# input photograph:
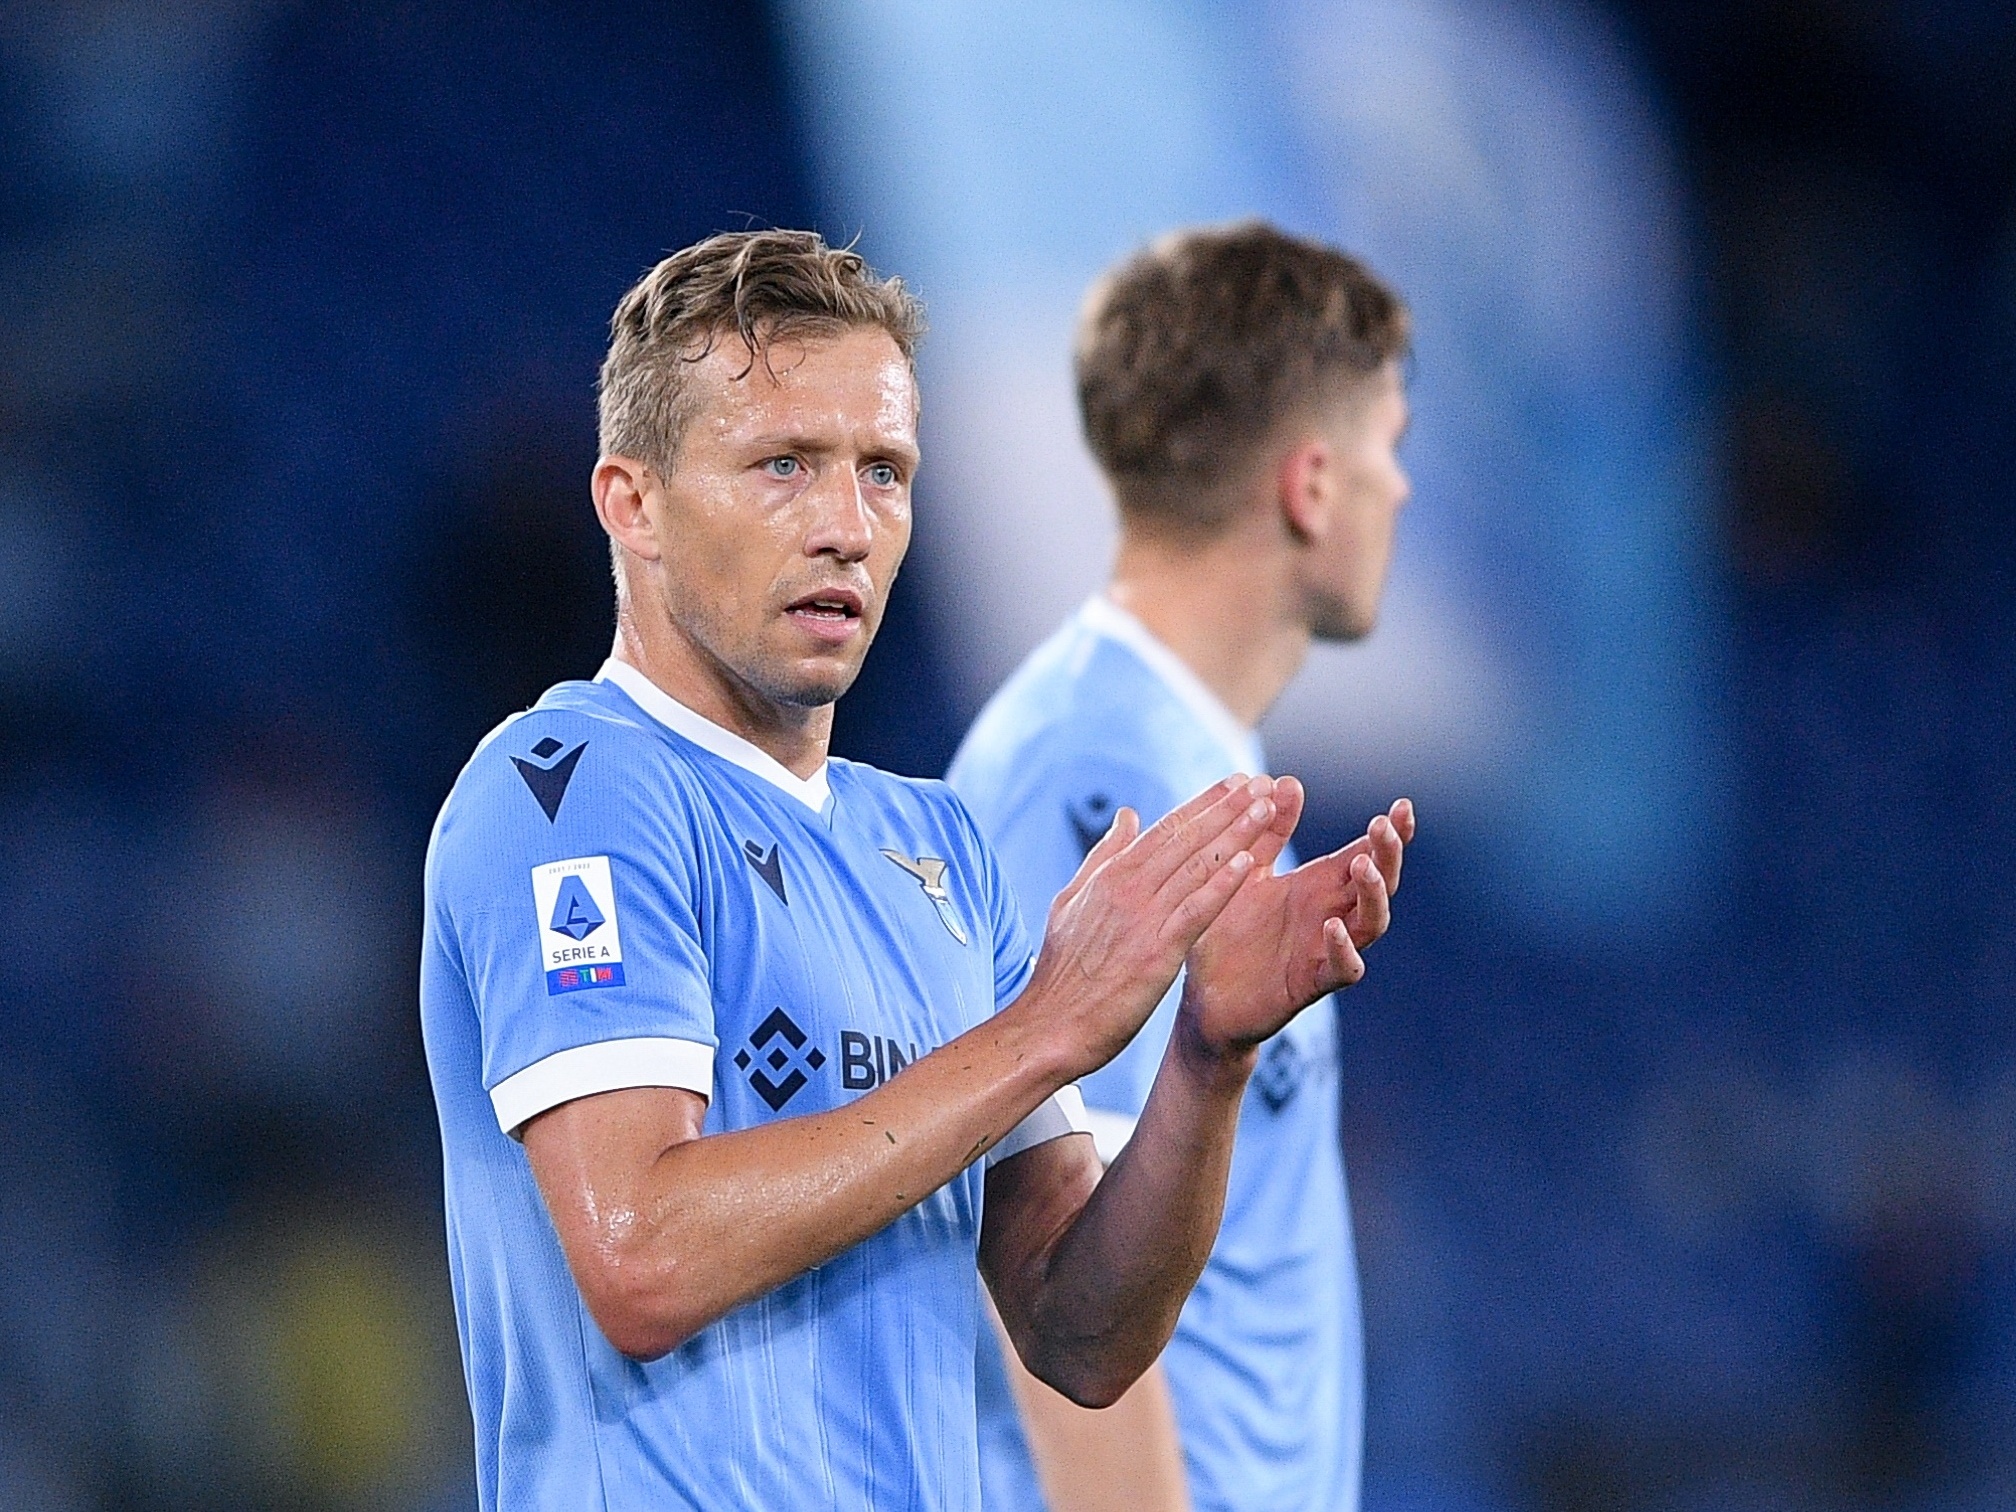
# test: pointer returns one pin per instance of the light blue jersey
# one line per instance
(622, 894)
(1267, 1363)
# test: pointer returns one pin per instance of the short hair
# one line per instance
(756, 285)
(1195, 351)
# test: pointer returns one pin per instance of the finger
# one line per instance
(1370, 911)
(1344, 967)
(1194, 828)
(1386, 849)
(1288, 803)
(1214, 850)
(1402, 815)
(1196, 912)
(1119, 835)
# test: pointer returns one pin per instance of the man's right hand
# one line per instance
(1120, 929)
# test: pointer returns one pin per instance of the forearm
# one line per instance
(710, 1223)
(1126, 1458)
(1107, 1297)
(666, 1231)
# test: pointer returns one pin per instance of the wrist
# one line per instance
(1040, 1037)
(1210, 1060)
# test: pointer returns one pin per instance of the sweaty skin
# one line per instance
(754, 566)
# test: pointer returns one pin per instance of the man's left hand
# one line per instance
(1285, 941)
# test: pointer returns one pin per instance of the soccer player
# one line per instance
(732, 1044)
(1241, 392)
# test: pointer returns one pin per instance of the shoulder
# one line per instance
(536, 758)
(579, 768)
(1081, 723)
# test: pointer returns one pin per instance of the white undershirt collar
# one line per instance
(1242, 746)
(662, 706)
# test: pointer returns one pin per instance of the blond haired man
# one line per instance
(732, 1042)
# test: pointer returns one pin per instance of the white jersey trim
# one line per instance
(608, 1066)
(1242, 746)
(703, 732)
(1110, 1132)
(1061, 1113)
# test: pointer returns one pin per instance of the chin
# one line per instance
(813, 687)
(1342, 627)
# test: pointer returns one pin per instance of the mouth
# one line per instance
(830, 615)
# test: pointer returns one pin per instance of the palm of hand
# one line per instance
(1285, 941)
(1268, 956)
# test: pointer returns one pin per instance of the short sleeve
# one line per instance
(577, 931)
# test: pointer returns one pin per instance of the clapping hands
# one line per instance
(1284, 941)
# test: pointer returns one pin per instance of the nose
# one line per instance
(842, 525)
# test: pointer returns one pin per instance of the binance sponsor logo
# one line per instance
(778, 1059)
(868, 1060)
(1279, 1075)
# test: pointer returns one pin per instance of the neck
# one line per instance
(1225, 608)
(794, 736)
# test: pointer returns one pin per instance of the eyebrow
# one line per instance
(780, 441)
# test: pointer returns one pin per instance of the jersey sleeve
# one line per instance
(577, 932)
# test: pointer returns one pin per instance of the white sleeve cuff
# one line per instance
(1061, 1113)
(1110, 1132)
(610, 1066)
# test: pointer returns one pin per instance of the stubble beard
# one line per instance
(775, 678)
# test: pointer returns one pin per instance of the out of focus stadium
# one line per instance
(1681, 1103)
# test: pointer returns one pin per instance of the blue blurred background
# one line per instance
(1682, 1103)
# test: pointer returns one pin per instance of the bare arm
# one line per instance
(666, 1231)
(1089, 1274)
(1124, 1458)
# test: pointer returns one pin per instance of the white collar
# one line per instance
(1102, 616)
(662, 706)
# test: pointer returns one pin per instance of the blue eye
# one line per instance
(782, 467)
(882, 475)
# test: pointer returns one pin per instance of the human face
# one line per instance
(787, 513)
(1344, 574)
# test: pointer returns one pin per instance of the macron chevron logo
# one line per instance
(549, 782)
(769, 866)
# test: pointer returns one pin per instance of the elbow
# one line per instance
(638, 1338)
(641, 1317)
(1098, 1395)
(1085, 1381)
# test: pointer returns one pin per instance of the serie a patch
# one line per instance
(580, 943)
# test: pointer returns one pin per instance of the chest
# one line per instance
(837, 955)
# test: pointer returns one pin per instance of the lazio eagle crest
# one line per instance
(930, 874)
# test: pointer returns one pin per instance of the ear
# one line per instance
(621, 486)
(1305, 486)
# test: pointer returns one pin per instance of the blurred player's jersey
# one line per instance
(621, 894)
(1267, 1363)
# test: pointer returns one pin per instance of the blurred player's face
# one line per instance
(1344, 572)
(787, 511)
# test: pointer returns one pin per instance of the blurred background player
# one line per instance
(748, 1279)
(1241, 391)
